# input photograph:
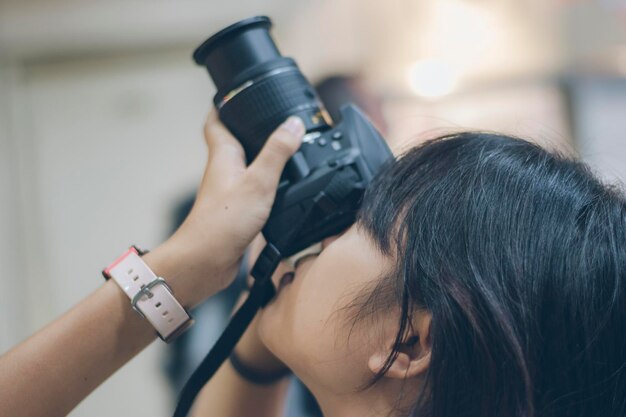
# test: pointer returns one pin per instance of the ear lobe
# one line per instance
(404, 366)
(377, 361)
(413, 356)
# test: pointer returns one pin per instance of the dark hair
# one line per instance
(520, 256)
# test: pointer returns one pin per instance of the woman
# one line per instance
(484, 277)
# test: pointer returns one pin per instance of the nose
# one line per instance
(283, 268)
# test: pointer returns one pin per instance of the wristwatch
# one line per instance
(150, 295)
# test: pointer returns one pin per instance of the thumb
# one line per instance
(280, 146)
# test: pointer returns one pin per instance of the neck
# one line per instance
(381, 400)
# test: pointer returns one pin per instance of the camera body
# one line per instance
(323, 183)
(342, 161)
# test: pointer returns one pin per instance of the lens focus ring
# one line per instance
(257, 109)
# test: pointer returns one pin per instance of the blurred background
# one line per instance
(101, 113)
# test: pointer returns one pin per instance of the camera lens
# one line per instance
(236, 49)
(257, 88)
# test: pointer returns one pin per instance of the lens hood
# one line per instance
(203, 51)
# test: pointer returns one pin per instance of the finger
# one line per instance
(225, 154)
(254, 249)
(209, 123)
(280, 146)
(221, 143)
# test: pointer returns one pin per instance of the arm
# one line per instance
(53, 370)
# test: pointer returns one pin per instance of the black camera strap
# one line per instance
(262, 291)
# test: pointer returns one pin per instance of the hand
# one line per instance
(231, 208)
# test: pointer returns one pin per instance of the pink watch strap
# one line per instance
(150, 296)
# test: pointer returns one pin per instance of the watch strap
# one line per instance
(150, 295)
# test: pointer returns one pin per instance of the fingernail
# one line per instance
(294, 125)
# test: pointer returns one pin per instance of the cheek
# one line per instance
(309, 327)
(309, 333)
(298, 326)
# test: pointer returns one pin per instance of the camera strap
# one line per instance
(262, 291)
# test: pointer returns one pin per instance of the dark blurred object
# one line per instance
(337, 90)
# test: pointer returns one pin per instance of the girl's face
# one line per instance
(309, 323)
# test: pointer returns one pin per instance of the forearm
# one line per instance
(51, 372)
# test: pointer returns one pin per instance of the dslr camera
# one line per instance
(323, 183)
(257, 89)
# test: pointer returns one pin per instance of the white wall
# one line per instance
(11, 292)
(104, 149)
(600, 120)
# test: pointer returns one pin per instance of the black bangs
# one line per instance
(435, 166)
(519, 254)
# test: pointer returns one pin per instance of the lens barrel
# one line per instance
(257, 88)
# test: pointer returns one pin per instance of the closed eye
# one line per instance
(313, 250)
(304, 258)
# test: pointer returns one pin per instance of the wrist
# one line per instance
(254, 374)
(254, 362)
(190, 283)
(150, 295)
(252, 352)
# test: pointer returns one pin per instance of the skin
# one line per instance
(53, 370)
(306, 328)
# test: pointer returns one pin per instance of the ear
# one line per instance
(413, 358)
